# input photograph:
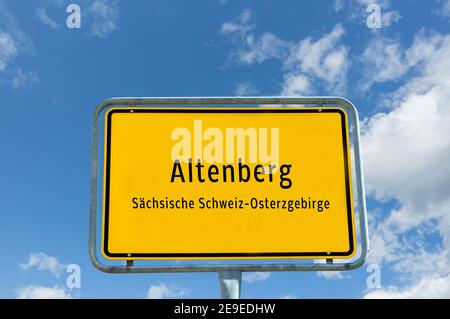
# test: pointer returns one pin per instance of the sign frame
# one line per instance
(229, 102)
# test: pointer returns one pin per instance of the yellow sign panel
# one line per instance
(221, 183)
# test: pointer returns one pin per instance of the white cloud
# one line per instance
(385, 59)
(336, 275)
(13, 42)
(240, 25)
(324, 61)
(381, 3)
(24, 79)
(428, 287)
(245, 88)
(406, 152)
(163, 291)
(42, 15)
(252, 48)
(309, 64)
(412, 142)
(382, 60)
(390, 17)
(264, 47)
(8, 50)
(444, 10)
(39, 292)
(43, 262)
(320, 57)
(296, 84)
(338, 5)
(103, 17)
(252, 277)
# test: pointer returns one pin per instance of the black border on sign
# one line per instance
(237, 254)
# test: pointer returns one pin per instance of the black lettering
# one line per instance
(247, 170)
(285, 182)
(199, 167)
(231, 168)
(177, 165)
(213, 170)
(259, 170)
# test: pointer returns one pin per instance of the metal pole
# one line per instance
(230, 284)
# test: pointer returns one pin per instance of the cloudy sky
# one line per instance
(395, 66)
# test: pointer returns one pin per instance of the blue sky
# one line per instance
(51, 77)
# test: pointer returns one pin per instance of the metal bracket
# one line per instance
(223, 268)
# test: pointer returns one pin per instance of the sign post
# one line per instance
(230, 284)
(227, 179)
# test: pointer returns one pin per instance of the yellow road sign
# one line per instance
(227, 183)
